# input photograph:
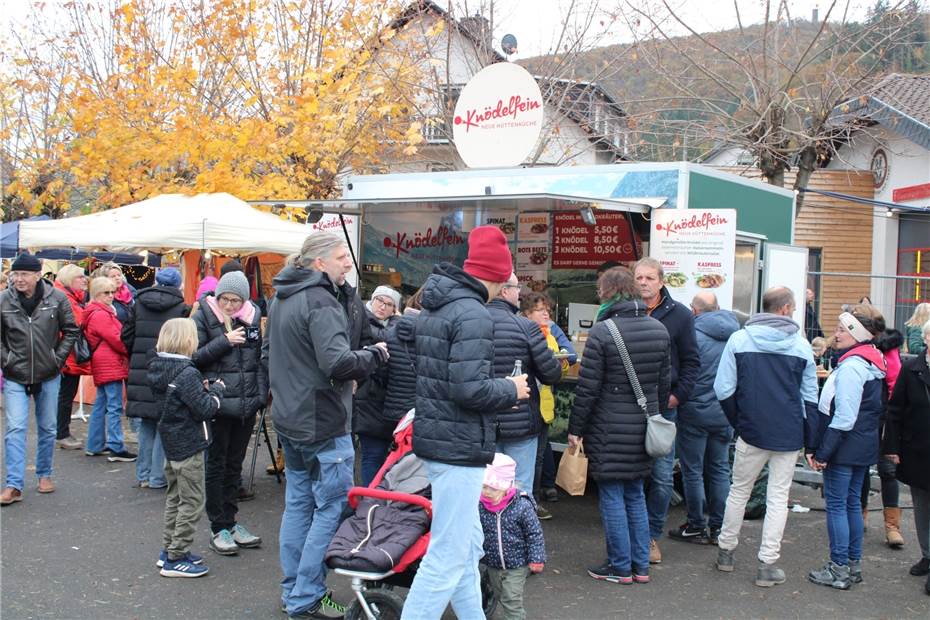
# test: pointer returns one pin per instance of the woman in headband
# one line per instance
(851, 404)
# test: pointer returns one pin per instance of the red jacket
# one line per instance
(110, 361)
(77, 307)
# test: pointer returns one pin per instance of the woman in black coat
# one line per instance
(907, 444)
(230, 348)
(607, 418)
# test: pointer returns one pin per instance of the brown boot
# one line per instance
(278, 463)
(892, 528)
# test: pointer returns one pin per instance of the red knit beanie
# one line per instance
(489, 256)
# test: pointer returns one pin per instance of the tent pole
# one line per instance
(345, 231)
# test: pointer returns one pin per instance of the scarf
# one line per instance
(245, 314)
(123, 294)
(491, 506)
(604, 307)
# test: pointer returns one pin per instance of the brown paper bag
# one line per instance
(573, 471)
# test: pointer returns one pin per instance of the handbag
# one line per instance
(82, 350)
(660, 433)
(573, 471)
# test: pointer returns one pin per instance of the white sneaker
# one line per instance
(245, 538)
(223, 543)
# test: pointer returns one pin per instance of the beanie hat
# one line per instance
(489, 256)
(387, 291)
(500, 473)
(169, 276)
(26, 262)
(229, 266)
(234, 283)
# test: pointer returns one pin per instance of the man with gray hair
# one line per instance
(767, 385)
(315, 327)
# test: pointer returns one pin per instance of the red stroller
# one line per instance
(375, 597)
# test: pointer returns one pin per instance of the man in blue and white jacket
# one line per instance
(767, 385)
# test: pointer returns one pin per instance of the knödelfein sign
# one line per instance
(498, 117)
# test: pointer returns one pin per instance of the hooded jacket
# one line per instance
(314, 328)
(767, 384)
(401, 394)
(703, 409)
(77, 299)
(686, 360)
(110, 360)
(907, 428)
(33, 348)
(153, 307)
(368, 418)
(518, 338)
(184, 405)
(457, 396)
(513, 537)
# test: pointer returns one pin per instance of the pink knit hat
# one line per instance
(500, 473)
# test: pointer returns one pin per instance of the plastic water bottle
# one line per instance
(517, 368)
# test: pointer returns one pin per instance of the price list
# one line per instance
(579, 246)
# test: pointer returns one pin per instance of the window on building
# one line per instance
(814, 277)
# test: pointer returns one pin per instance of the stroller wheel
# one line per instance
(488, 597)
(384, 605)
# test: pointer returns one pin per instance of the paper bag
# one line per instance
(573, 471)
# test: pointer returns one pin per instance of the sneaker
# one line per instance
(183, 568)
(10, 495)
(688, 533)
(98, 453)
(245, 538)
(855, 571)
(832, 575)
(142, 484)
(921, 568)
(69, 443)
(713, 536)
(542, 514)
(46, 485)
(606, 572)
(725, 560)
(325, 608)
(193, 558)
(123, 456)
(223, 543)
(550, 495)
(655, 555)
(641, 575)
(768, 575)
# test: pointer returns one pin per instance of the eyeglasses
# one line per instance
(383, 301)
(511, 286)
(232, 301)
(110, 292)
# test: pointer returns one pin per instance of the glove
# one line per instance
(380, 353)
(536, 567)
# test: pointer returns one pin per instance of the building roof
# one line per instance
(899, 101)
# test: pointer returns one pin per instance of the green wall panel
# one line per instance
(757, 210)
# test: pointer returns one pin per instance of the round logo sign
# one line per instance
(498, 117)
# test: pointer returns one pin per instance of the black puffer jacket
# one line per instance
(457, 396)
(240, 366)
(518, 338)
(401, 393)
(685, 355)
(367, 417)
(605, 414)
(153, 307)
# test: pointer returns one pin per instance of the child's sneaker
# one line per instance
(606, 572)
(183, 568)
(223, 543)
(193, 558)
(244, 538)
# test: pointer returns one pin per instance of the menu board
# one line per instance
(506, 221)
(576, 245)
(697, 249)
(533, 227)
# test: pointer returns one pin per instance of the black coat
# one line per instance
(240, 367)
(367, 416)
(518, 338)
(685, 355)
(605, 414)
(907, 425)
(401, 395)
(153, 307)
(457, 396)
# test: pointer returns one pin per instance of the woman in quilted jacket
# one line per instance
(110, 367)
(71, 281)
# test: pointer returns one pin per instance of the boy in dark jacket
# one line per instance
(513, 538)
(186, 402)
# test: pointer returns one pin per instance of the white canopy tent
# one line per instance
(219, 222)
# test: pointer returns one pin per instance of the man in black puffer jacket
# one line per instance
(518, 338)
(153, 307)
(457, 398)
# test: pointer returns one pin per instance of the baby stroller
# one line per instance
(375, 597)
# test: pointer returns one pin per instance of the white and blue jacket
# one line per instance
(767, 384)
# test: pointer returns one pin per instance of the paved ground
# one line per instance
(88, 551)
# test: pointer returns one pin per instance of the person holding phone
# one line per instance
(229, 349)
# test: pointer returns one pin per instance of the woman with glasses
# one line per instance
(71, 281)
(230, 349)
(125, 294)
(110, 367)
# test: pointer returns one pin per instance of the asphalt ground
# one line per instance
(89, 550)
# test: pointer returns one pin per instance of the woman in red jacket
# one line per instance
(73, 283)
(110, 367)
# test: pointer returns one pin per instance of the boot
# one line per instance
(278, 463)
(892, 528)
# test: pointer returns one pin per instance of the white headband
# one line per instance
(855, 328)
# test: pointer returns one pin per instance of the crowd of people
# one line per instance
(476, 358)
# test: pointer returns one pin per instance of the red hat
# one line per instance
(489, 256)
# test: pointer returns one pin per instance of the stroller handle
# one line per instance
(417, 500)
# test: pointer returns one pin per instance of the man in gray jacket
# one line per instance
(315, 327)
(37, 331)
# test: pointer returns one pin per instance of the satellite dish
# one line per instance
(509, 44)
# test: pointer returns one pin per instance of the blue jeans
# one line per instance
(16, 404)
(374, 451)
(661, 487)
(703, 455)
(319, 476)
(449, 570)
(150, 466)
(109, 404)
(523, 452)
(626, 527)
(841, 487)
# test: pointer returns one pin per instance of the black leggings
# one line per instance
(886, 471)
(66, 392)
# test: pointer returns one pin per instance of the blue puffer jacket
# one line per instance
(513, 537)
(703, 409)
(767, 384)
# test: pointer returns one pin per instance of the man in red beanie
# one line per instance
(454, 431)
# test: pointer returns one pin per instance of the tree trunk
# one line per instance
(807, 162)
